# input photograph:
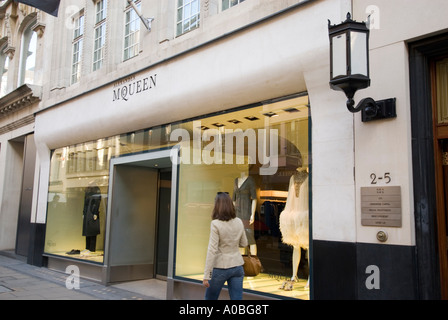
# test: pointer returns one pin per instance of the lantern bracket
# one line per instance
(374, 110)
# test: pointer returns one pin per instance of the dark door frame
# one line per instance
(421, 54)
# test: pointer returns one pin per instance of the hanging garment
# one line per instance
(243, 196)
(91, 212)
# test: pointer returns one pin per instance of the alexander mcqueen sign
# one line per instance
(129, 87)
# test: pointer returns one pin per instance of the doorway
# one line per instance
(140, 217)
(439, 85)
(26, 148)
(428, 137)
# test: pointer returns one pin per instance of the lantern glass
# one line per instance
(339, 55)
(359, 63)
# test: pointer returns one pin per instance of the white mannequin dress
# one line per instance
(294, 224)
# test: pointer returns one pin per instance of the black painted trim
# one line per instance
(425, 212)
(341, 271)
(334, 270)
(36, 245)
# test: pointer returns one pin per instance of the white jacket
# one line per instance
(226, 237)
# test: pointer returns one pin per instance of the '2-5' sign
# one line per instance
(376, 179)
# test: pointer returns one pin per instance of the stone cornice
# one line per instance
(17, 124)
(20, 98)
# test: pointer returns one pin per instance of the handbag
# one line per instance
(252, 265)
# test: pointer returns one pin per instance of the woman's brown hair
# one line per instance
(224, 209)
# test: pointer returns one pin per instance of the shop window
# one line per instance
(99, 34)
(188, 15)
(226, 4)
(28, 56)
(235, 165)
(132, 32)
(261, 151)
(77, 47)
(78, 192)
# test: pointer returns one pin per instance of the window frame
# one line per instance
(99, 34)
(77, 47)
(230, 5)
(132, 50)
(25, 42)
(181, 18)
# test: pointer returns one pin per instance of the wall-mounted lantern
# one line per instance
(350, 70)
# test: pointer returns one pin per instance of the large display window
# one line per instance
(78, 192)
(271, 198)
(258, 154)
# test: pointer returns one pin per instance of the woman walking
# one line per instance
(224, 261)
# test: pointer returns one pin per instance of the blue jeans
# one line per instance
(233, 276)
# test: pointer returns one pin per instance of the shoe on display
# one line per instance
(74, 251)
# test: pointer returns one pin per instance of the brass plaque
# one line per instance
(381, 207)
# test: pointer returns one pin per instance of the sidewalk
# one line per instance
(21, 281)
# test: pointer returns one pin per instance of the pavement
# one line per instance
(21, 281)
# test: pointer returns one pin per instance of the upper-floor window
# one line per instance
(99, 34)
(4, 66)
(226, 4)
(77, 45)
(28, 56)
(132, 32)
(188, 15)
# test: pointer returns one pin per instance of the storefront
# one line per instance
(129, 169)
(119, 207)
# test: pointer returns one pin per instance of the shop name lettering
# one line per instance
(129, 87)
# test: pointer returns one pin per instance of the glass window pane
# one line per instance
(27, 56)
(195, 7)
(442, 91)
(339, 55)
(233, 158)
(132, 34)
(225, 4)
(188, 13)
(4, 59)
(281, 197)
(359, 61)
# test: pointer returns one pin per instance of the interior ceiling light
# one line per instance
(291, 110)
(235, 121)
(219, 125)
(252, 118)
(270, 114)
(204, 128)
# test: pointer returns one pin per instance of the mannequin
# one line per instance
(294, 221)
(245, 201)
(91, 221)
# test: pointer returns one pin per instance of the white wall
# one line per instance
(385, 146)
(284, 55)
